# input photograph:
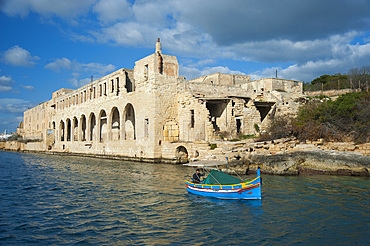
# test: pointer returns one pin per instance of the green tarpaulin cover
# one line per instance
(216, 177)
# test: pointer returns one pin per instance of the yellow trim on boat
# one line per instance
(243, 185)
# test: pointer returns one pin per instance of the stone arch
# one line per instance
(75, 129)
(115, 124)
(61, 130)
(181, 154)
(92, 127)
(103, 126)
(82, 136)
(68, 128)
(130, 132)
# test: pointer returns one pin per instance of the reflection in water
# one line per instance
(72, 200)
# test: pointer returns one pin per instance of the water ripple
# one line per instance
(83, 201)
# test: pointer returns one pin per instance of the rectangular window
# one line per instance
(146, 69)
(192, 119)
(146, 128)
(112, 82)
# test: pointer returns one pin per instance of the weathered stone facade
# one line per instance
(153, 113)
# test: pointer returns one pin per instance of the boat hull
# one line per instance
(249, 190)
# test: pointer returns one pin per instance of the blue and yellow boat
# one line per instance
(221, 185)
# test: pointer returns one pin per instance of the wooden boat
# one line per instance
(224, 186)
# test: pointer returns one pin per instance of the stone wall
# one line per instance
(151, 112)
(274, 84)
(330, 93)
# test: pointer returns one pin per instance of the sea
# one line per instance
(67, 200)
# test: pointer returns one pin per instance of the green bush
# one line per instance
(346, 119)
(213, 146)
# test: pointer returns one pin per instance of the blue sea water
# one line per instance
(61, 200)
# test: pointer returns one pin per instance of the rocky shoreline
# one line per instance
(326, 162)
(279, 157)
(291, 157)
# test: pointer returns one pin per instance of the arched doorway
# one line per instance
(83, 128)
(75, 129)
(115, 124)
(69, 126)
(181, 154)
(130, 133)
(61, 130)
(92, 126)
(103, 126)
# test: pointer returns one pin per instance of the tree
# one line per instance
(360, 77)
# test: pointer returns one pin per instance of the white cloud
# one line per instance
(130, 33)
(305, 72)
(192, 73)
(294, 33)
(65, 63)
(79, 83)
(18, 56)
(28, 87)
(112, 10)
(344, 57)
(76, 68)
(64, 9)
(98, 68)
(14, 105)
(58, 64)
(6, 84)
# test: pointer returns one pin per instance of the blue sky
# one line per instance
(46, 45)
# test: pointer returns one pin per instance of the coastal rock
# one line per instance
(306, 162)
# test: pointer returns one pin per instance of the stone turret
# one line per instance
(156, 68)
(158, 47)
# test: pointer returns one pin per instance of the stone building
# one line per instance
(152, 113)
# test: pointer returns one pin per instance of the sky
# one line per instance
(46, 45)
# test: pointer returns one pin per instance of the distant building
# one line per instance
(4, 136)
(152, 113)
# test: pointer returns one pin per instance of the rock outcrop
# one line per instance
(290, 157)
(305, 162)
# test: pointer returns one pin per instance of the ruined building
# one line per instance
(152, 113)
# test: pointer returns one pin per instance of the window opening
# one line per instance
(238, 125)
(192, 119)
(146, 128)
(146, 69)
